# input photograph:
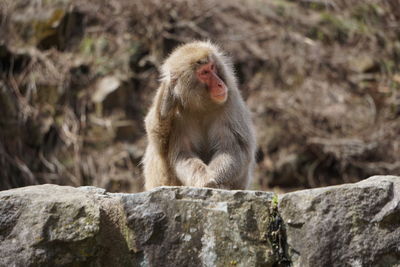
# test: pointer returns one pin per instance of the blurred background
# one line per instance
(322, 79)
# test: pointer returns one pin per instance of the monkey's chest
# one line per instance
(200, 144)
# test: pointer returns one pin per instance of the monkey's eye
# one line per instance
(204, 72)
(201, 62)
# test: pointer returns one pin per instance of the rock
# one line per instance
(51, 225)
(362, 63)
(346, 225)
(104, 87)
(47, 225)
(200, 227)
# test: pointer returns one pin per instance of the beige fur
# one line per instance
(192, 140)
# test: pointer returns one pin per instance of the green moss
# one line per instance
(87, 46)
(275, 201)
(233, 263)
(128, 235)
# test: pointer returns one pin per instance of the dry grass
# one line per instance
(323, 81)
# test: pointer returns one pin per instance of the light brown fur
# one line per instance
(193, 141)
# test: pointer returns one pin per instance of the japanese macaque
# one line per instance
(199, 129)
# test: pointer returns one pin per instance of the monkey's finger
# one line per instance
(212, 184)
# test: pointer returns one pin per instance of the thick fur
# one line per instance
(192, 140)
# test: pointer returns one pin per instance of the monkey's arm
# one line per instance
(192, 171)
(159, 119)
(226, 165)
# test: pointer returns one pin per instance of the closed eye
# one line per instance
(201, 62)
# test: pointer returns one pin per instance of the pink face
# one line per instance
(207, 73)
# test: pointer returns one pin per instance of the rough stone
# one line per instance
(200, 227)
(50, 225)
(47, 225)
(346, 225)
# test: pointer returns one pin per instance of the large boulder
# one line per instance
(50, 225)
(347, 225)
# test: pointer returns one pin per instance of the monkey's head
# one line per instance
(198, 74)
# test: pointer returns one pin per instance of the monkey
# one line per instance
(198, 127)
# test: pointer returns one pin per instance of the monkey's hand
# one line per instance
(192, 171)
(211, 184)
(158, 121)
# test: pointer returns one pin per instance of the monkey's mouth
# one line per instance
(219, 97)
(222, 94)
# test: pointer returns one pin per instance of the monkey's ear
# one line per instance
(168, 99)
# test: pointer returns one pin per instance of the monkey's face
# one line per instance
(199, 75)
(207, 74)
(201, 85)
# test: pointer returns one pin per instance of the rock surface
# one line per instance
(347, 225)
